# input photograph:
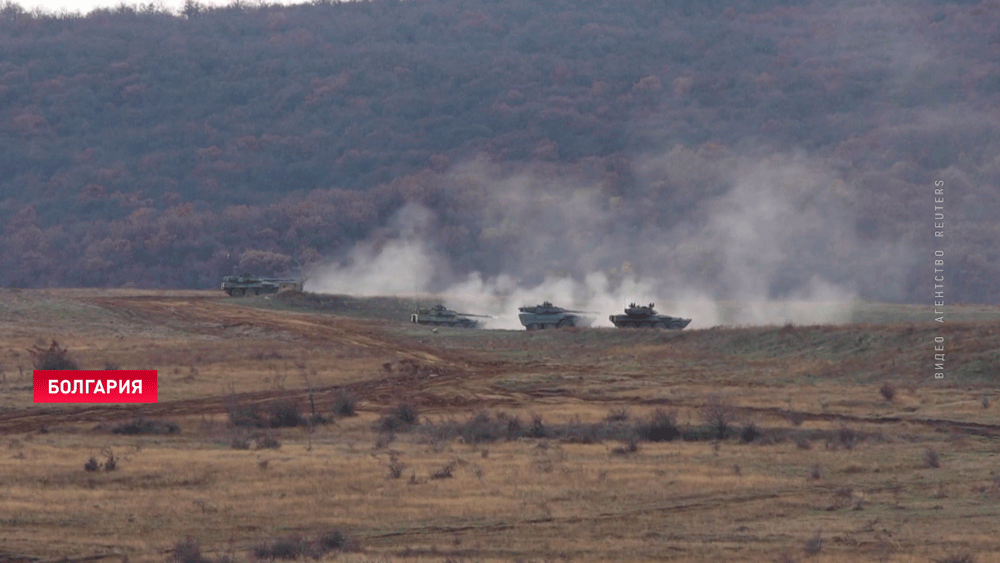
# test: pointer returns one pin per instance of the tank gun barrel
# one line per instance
(471, 315)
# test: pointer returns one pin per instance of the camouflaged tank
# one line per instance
(245, 284)
(548, 315)
(438, 315)
(646, 317)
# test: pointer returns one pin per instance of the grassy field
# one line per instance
(327, 427)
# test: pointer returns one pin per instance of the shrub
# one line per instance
(285, 413)
(400, 419)
(618, 415)
(396, 468)
(513, 427)
(718, 416)
(749, 434)
(267, 441)
(957, 558)
(92, 464)
(53, 357)
(629, 447)
(296, 546)
(110, 461)
(243, 415)
(291, 547)
(931, 458)
(888, 391)
(537, 429)
(662, 427)
(847, 437)
(239, 442)
(444, 472)
(187, 551)
(481, 428)
(345, 404)
(145, 426)
(814, 544)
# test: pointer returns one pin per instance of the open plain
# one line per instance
(302, 426)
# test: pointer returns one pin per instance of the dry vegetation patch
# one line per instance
(592, 445)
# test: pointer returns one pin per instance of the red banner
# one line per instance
(95, 386)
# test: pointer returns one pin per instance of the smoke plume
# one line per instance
(764, 242)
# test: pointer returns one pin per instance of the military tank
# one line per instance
(646, 317)
(548, 315)
(245, 284)
(438, 315)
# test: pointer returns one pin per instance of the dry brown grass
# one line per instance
(528, 499)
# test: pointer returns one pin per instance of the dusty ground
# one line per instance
(916, 479)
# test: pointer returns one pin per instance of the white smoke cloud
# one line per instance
(778, 246)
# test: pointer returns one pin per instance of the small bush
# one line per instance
(749, 433)
(618, 415)
(847, 438)
(630, 447)
(814, 544)
(239, 442)
(145, 426)
(267, 441)
(407, 413)
(718, 415)
(92, 464)
(396, 468)
(803, 443)
(481, 428)
(537, 429)
(110, 461)
(291, 547)
(888, 391)
(662, 427)
(187, 551)
(53, 357)
(333, 540)
(816, 473)
(296, 546)
(285, 413)
(246, 416)
(957, 558)
(345, 404)
(931, 459)
(400, 419)
(514, 428)
(444, 472)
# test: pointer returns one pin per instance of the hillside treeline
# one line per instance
(156, 149)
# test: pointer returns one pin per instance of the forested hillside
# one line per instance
(140, 147)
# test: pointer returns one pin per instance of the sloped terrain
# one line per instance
(838, 443)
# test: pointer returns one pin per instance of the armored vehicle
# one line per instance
(245, 284)
(438, 315)
(646, 317)
(548, 315)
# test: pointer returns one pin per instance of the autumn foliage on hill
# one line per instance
(160, 149)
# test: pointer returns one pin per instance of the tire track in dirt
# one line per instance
(214, 316)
